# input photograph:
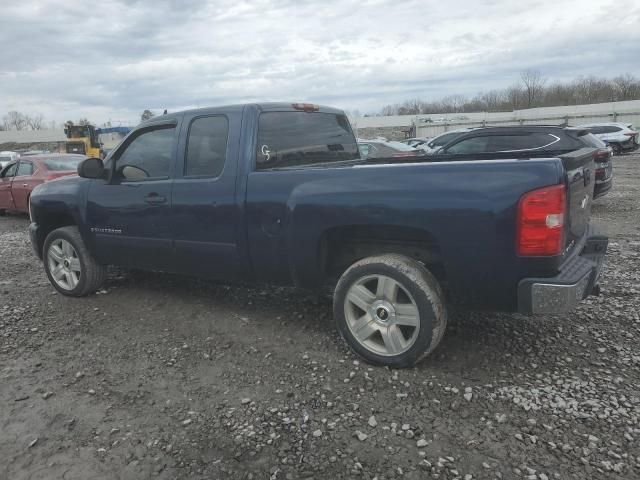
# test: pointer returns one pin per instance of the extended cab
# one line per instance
(277, 193)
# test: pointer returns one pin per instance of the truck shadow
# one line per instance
(473, 343)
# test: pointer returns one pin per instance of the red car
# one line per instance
(20, 177)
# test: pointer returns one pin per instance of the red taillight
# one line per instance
(600, 171)
(306, 107)
(540, 229)
(600, 154)
(631, 134)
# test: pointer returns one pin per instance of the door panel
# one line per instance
(204, 213)
(128, 216)
(23, 184)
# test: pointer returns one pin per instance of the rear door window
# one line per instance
(604, 129)
(24, 169)
(473, 145)
(530, 141)
(207, 146)
(293, 139)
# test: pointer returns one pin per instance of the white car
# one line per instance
(620, 136)
(439, 141)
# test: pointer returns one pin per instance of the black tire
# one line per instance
(92, 274)
(427, 297)
(617, 149)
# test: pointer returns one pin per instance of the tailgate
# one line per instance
(579, 168)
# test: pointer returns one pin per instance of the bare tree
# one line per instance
(627, 87)
(533, 85)
(84, 122)
(514, 96)
(15, 121)
(36, 122)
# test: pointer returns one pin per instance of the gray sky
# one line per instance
(114, 58)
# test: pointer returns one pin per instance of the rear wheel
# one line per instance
(69, 266)
(390, 310)
(617, 149)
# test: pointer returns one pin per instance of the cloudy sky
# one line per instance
(111, 59)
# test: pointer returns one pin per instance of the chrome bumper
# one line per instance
(577, 280)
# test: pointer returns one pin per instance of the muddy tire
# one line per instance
(390, 310)
(68, 264)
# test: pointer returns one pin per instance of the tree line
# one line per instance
(531, 90)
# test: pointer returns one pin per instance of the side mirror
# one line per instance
(91, 168)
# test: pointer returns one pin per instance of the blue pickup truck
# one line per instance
(277, 193)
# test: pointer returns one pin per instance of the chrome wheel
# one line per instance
(64, 264)
(382, 315)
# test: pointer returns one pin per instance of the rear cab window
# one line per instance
(297, 139)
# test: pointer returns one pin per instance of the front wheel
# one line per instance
(68, 264)
(390, 309)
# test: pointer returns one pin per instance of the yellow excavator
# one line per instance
(83, 139)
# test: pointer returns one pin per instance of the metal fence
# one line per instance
(433, 129)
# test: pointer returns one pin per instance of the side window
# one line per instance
(10, 171)
(290, 139)
(442, 140)
(364, 149)
(469, 146)
(148, 155)
(207, 146)
(24, 169)
(604, 129)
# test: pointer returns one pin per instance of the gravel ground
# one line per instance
(165, 377)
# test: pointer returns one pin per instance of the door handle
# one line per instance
(25, 184)
(154, 199)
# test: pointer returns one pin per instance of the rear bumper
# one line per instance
(33, 235)
(577, 280)
(602, 187)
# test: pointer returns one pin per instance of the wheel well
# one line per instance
(342, 246)
(50, 223)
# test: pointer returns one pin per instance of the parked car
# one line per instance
(277, 193)
(440, 140)
(530, 142)
(7, 157)
(604, 166)
(20, 177)
(416, 142)
(621, 136)
(386, 149)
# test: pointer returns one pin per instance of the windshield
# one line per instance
(62, 164)
(446, 138)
